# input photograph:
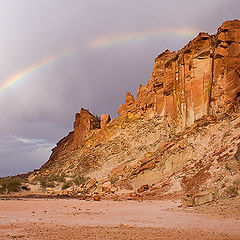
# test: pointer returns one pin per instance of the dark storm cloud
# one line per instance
(40, 109)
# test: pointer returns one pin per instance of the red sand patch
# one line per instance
(75, 219)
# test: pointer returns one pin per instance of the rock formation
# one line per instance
(180, 134)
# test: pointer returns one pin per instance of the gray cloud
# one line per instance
(42, 105)
(19, 154)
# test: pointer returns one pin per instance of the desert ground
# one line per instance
(25, 218)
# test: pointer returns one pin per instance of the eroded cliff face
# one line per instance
(200, 79)
(183, 127)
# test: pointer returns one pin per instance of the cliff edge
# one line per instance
(181, 135)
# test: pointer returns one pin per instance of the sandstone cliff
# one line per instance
(180, 134)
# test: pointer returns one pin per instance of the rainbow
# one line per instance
(107, 41)
(100, 42)
(33, 68)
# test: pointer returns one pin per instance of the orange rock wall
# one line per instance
(200, 79)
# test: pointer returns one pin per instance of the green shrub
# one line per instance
(13, 186)
(78, 180)
(51, 181)
(10, 185)
(114, 179)
(57, 177)
(2, 190)
(231, 191)
(67, 185)
(61, 177)
(45, 182)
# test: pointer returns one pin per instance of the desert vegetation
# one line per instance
(13, 184)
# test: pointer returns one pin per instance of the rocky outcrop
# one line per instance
(84, 125)
(180, 133)
(128, 102)
(105, 119)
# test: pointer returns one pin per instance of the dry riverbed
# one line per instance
(75, 219)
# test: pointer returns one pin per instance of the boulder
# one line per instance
(113, 189)
(49, 190)
(200, 197)
(90, 183)
(96, 197)
(99, 190)
(143, 188)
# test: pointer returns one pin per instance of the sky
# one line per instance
(60, 55)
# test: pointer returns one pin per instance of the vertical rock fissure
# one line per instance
(211, 79)
(184, 94)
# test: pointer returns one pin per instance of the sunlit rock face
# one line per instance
(200, 79)
(185, 118)
(226, 69)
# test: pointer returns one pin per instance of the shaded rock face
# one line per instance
(237, 154)
(183, 124)
(84, 123)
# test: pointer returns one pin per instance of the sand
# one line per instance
(75, 219)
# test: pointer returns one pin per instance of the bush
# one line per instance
(57, 177)
(67, 185)
(51, 181)
(45, 182)
(13, 186)
(79, 180)
(10, 185)
(2, 190)
(61, 177)
(231, 191)
(114, 179)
